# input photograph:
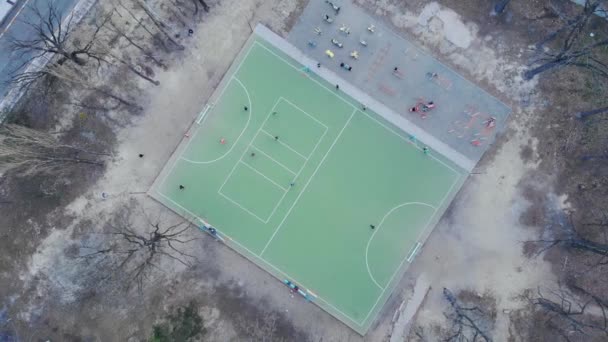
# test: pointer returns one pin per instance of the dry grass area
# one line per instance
(528, 184)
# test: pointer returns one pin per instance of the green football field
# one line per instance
(295, 181)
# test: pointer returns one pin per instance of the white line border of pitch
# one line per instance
(369, 241)
(417, 239)
(235, 141)
(352, 105)
(219, 96)
(318, 298)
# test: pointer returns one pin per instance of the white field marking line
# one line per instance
(188, 143)
(219, 191)
(219, 97)
(402, 261)
(203, 113)
(318, 298)
(350, 104)
(284, 144)
(242, 207)
(329, 90)
(303, 111)
(298, 174)
(411, 142)
(246, 149)
(369, 242)
(308, 182)
(442, 201)
(269, 157)
(237, 139)
(390, 130)
(263, 175)
(305, 162)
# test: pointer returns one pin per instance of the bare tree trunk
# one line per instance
(137, 72)
(32, 152)
(586, 114)
(117, 98)
(145, 51)
(528, 75)
(140, 22)
(204, 4)
(499, 7)
(162, 27)
(133, 252)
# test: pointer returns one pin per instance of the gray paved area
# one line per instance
(379, 108)
(460, 118)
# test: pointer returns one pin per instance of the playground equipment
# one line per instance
(336, 43)
(371, 28)
(334, 6)
(329, 53)
(328, 19)
(346, 66)
(345, 29)
(354, 54)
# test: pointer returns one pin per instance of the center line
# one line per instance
(308, 182)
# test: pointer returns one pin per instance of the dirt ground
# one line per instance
(477, 248)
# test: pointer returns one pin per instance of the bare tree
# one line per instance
(133, 251)
(468, 323)
(583, 115)
(569, 237)
(140, 23)
(203, 3)
(159, 23)
(32, 151)
(117, 29)
(52, 37)
(71, 76)
(575, 50)
(571, 317)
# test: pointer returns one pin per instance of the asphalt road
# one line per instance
(15, 27)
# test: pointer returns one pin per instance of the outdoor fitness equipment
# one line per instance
(336, 43)
(345, 29)
(335, 7)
